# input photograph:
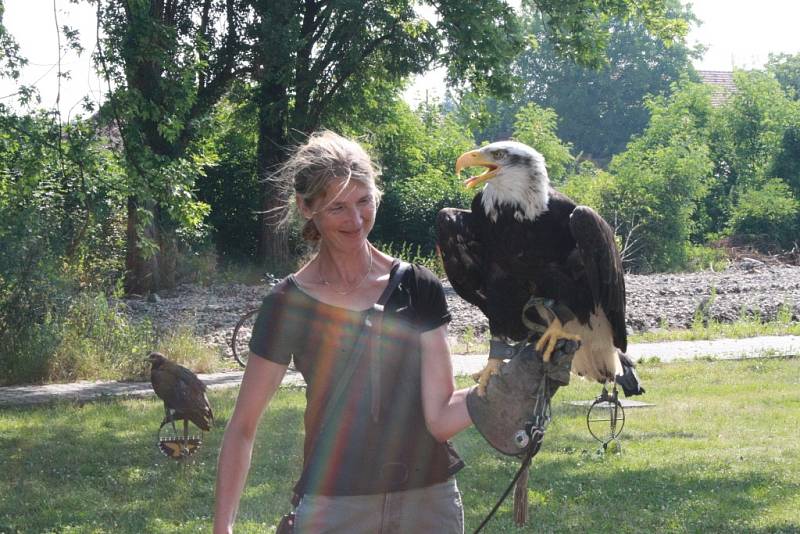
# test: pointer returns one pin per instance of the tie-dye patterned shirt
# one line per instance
(358, 455)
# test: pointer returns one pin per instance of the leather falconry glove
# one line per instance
(516, 409)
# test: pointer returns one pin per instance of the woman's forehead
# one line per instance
(340, 190)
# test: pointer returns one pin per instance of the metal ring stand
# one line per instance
(177, 447)
(606, 419)
(236, 345)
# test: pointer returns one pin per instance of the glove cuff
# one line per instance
(500, 350)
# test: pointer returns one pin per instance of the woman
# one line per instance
(381, 461)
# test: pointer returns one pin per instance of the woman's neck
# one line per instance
(342, 271)
(361, 297)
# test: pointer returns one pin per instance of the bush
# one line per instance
(700, 258)
(409, 207)
(418, 151)
(92, 338)
(99, 341)
(414, 254)
(767, 214)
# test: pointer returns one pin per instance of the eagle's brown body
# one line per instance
(184, 394)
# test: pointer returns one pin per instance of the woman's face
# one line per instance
(344, 217)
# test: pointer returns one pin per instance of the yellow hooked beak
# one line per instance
(475, 158)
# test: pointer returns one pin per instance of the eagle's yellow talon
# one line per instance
(482, 377)
(547, 343)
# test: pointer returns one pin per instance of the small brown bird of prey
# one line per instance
(184, 397)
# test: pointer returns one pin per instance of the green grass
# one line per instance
(709, 328)
(702, 329)
(717, 453)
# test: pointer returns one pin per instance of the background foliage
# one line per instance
(166, 182)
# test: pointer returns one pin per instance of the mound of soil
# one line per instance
(749, 287)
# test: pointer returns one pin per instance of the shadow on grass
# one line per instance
(574, 489)
(96, 467)
(715, 460)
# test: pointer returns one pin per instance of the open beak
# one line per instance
(475, 158)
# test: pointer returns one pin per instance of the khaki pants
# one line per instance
(435, 509)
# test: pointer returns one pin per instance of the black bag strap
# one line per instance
(367, 328)
(346, 375)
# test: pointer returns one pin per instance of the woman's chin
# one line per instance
(351, 242)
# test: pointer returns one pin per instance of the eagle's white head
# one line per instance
(516, 179)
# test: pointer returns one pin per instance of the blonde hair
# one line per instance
(324, 158)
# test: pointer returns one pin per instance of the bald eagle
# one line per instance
(534, 261)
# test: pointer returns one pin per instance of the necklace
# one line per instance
(347, 291)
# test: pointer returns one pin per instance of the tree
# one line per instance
(786, 69)
(10, 60)
(169, 63)
(786, 164)
(599, 105)
(536, 127)
(316, 57)
(231, 186)
(747, 139)
(660, 180)
(417, 151)
(766, 214)
(316, 60)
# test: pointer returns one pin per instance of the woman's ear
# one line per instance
(304, 208)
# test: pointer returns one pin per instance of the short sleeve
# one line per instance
(429, 302)
(272, 336)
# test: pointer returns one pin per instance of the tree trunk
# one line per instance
(142, 274)
(273, 245)
(273, 119)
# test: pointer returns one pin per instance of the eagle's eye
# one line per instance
(498, 154)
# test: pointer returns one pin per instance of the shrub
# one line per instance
(767, 214)
(699, 258)
(99, 341)
(414, 254)
(409, 207)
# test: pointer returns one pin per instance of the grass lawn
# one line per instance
(719, 452)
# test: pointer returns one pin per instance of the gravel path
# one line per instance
(462, 365)
(655, 301)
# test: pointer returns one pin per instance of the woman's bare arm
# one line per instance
(445, 407)
(261, 379)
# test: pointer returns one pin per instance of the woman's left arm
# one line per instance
(445, 407)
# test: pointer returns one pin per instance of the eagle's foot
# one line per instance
(482, 378)
(547, 343)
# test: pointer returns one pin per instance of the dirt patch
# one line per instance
(749, 287)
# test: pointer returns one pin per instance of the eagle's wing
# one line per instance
(182, 391)
(603, 267)
(191, 380)
(461, 254)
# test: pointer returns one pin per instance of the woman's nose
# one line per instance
(354, 214)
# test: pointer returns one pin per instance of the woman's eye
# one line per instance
(335, 209)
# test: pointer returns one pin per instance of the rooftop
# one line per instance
(723, 84)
